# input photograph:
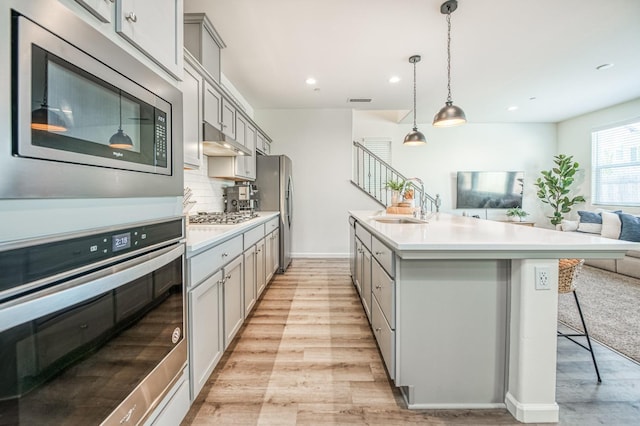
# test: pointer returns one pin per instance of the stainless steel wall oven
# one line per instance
(88, 119)
(91, 324)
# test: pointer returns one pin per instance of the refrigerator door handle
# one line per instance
(289, 198)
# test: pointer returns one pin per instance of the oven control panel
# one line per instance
(45, 258)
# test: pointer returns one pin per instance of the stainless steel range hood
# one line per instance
(217, 144)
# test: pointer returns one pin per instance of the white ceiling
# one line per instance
(504, 52)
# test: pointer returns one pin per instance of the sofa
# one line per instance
(610, 224)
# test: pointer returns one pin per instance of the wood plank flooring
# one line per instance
(307, 356)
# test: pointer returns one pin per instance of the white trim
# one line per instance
(320, 255)
(532, 413)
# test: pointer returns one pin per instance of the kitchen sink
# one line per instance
(397, 219)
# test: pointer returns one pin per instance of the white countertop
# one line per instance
(446, 236)
(201, 237)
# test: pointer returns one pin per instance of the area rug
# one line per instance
(611, 306)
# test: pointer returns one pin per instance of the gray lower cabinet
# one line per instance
(233, 290)
(275, 249)
(366, 282)
(261, 277)
(205, 331)
(250, 291)
(357, 273)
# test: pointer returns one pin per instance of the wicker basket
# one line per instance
(567, 273)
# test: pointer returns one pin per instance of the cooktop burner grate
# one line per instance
(220, 218)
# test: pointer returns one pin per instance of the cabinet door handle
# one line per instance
(220, 281)
(378, 330)
(378, 287)
(131, 17)
(228, 277)
(225, 254)
(378, 253)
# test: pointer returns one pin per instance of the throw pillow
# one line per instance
(590, 222)
(611, 225)
(630, 227)
(569, 225)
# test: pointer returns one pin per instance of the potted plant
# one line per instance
(554, 187)
(395, 186)
(517, 212)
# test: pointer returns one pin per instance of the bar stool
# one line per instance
(568, 270)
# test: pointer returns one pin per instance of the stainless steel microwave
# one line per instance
(88, 118)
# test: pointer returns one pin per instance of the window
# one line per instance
(615, 160)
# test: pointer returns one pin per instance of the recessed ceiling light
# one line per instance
(533, 98)
(394, 79)
(604, 67)
(512, 108)
(311, 81)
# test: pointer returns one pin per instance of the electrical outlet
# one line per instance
(543, 278)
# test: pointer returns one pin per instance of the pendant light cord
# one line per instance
(449, 56)
(120, 107)
(415, 127)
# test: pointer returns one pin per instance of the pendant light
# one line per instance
(450, 114)
(414, 137)
(44, 118)
(120, 139)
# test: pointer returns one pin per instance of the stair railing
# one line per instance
(371, 173)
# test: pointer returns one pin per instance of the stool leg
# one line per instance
(586, 333)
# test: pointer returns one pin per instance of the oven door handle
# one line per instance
(36, 305)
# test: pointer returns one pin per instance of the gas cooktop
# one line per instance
(220, 218)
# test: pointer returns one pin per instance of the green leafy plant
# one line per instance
(554, 187)
(394, 185)
(517, 212)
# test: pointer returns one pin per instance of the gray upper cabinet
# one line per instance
(101, 9)
(155, 28)
(212, 106)
(192, 91)
(203, 41)
(228, 119)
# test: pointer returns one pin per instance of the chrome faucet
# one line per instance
(423, 213)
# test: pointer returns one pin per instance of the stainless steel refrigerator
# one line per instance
(275, 193)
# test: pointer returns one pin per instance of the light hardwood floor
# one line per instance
(307, 356)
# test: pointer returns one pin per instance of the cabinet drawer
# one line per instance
(364, 235)
(385, 337)
(205, 264)
(383, 254)
(254, 235)
(383, 288)
(271, 225)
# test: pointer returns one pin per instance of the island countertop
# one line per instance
(446, 236)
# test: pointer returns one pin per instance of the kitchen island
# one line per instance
(459, 317)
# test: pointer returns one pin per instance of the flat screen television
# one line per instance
(489, 190)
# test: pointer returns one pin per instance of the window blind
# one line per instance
(615, 161)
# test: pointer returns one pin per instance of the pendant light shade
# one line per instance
(120, 139)
(44, 118)
(450, 114)
(414, 137)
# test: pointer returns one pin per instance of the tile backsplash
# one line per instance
(207, 192)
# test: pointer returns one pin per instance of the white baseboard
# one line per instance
(532, 412)
(320, 255)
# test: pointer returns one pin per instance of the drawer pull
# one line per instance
(378, 253)
(378, 287)
(225, 254)
(84, 326)
(131, 17)
(378, 330)
(227, 277)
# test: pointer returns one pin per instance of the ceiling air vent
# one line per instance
(358, 100)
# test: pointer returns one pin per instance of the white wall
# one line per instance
(574, 138)
(319, 145)
(529, 147)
